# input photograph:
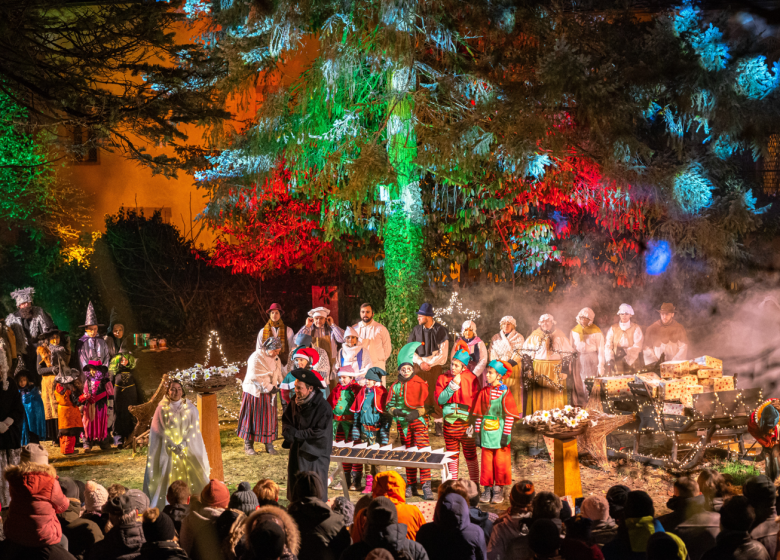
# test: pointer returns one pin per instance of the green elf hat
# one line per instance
(462, 356)
(375, 374)
(406, 354)
(500, 367)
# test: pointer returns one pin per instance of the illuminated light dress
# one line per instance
(175, 424)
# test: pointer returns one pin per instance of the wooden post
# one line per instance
(567, 469)
(209, 427)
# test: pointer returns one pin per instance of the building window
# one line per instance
(84, 151)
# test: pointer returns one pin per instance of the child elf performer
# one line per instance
(455, 393)
(406, 403)
(495, 411)
(340, 400)
(370, 425)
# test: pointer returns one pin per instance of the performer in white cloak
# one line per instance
(624, 343)
(478, 354)
(544, 346)
(353, 359)
(375, 337)
(505, 346)
(176, 449)
(257, 419)
(588, 340)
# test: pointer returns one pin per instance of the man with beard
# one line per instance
(375, 337)
(430, 356)
(275, 327)
(27, 322)
(666, 338)
(325, 334)
(623, 346)
(90, 347)
(587, 339)
(544, 346)
(307, 429)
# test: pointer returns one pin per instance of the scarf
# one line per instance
(584, 331)
(473, 344)
(304, 401)
(349, 354)
(282, 330)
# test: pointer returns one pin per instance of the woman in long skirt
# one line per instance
(257, 421)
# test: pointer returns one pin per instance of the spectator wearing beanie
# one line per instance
(616, 498)
(266, 541)
(634, 528)
(274, 514)
(140, 501)
(267, 492)
(543, 540)
(666, 546)
(734, 541)
(579, 544)
(513, 520)
(478, 517)
(389, 484)
(198, 533)
(178, 498)
(81, 532)
(160, 535)
(451, 535)
(324, 532)
(346, 508)
(384, 531)
(603, 528)
(761, 494)
(230, 529)
(243, 499)
(95, 497)
(36, 499)
(124, 540)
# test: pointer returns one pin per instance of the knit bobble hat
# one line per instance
(522, 493)
(243, 499)
(616, 498)
(158, 526)
(95, 495)
(595, 508)
(346, 508)
(215, 494)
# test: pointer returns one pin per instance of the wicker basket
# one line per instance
(563, 432)
(212, 385)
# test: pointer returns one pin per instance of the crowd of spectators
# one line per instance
(58, 518)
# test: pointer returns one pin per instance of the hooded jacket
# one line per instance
(392, 486)
(293, 536)
(391, 537)
(325, 533)
(631, 540)
(122, 542)
(452, 536)
(736, 545)
(506, 529)
(82, 533)
(36, 499)
(199, 535)
(482, 519)
(177, 512)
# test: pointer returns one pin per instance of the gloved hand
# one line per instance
(504, 440)
(412, 416)
(82, 398)
(397, 412)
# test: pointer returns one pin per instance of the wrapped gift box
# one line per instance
(708, 362)
(617, 386)
(648, 377)
(706, 382)
(708, 373)
(673, 408)
(723, 383)
(689, 380)
(670, 370)
(688, 392)
(671, 389)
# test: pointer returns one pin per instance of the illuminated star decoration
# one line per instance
(454, 307)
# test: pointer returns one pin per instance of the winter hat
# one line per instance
(82, 489)
(769, 417)
(346, 508)
(266, 541)
(35, 453)
(350, 331)
(69, 488)
(120, 505)
(308, 484)
(157, 526)
(225, 522)
(544, 538)
(760, 492)
(638, 504)
(522, 493)
(95, 496)
(23, 295)
(215, 494)
(616, 498)
(462, 356)
(406, 354)
(579, 527)
(139, 499)
(303, 339)
(243, 499)
(381, 512)
(375, 374)
(595, 508)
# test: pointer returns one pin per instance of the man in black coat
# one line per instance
(11, 422)
(307, 428)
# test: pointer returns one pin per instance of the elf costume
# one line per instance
(370, 425)
(406, 402)
(456, 401)
(495, 411)
(287, 386)
(340, 400)
(763, 425)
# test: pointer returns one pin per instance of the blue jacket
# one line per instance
(34, 416)
(452, 535)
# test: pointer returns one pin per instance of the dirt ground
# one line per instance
(121, 466)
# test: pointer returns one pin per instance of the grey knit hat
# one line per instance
(346, 508)
(244, 499)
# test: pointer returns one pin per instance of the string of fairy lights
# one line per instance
(454, 306)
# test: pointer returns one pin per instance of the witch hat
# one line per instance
(91, 317)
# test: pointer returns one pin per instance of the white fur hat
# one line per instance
(547, 316)
(469, 324)
(319, 312)
(625, 308)
(507, 319)
(586, 312)
(24, 295)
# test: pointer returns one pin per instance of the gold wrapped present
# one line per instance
(672, 408)
(616, 386)
(708, 362)
(706, 382)
(671, 370)
(688, 392)
(708, 373)
(689, 380)
(671, 389)
(723, 383)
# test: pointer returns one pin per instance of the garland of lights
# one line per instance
(454, 306)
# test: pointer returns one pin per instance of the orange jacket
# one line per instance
(392, 486)
(68, 414)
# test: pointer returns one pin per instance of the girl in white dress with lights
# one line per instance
(176, 449)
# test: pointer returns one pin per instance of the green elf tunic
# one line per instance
(496, 412)
(341, 399)
(408, 396)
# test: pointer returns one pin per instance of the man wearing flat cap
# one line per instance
(325, 334)
(666, 338)
(430, 356)
(307, 429)
(275, 327)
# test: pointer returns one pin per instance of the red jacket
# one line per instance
(36, 499)
(469, 387)
(380, 399)
(415, 393)
(482, 403)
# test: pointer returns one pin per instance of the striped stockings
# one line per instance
(348, 467)
(416, 436)
(454, 438)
